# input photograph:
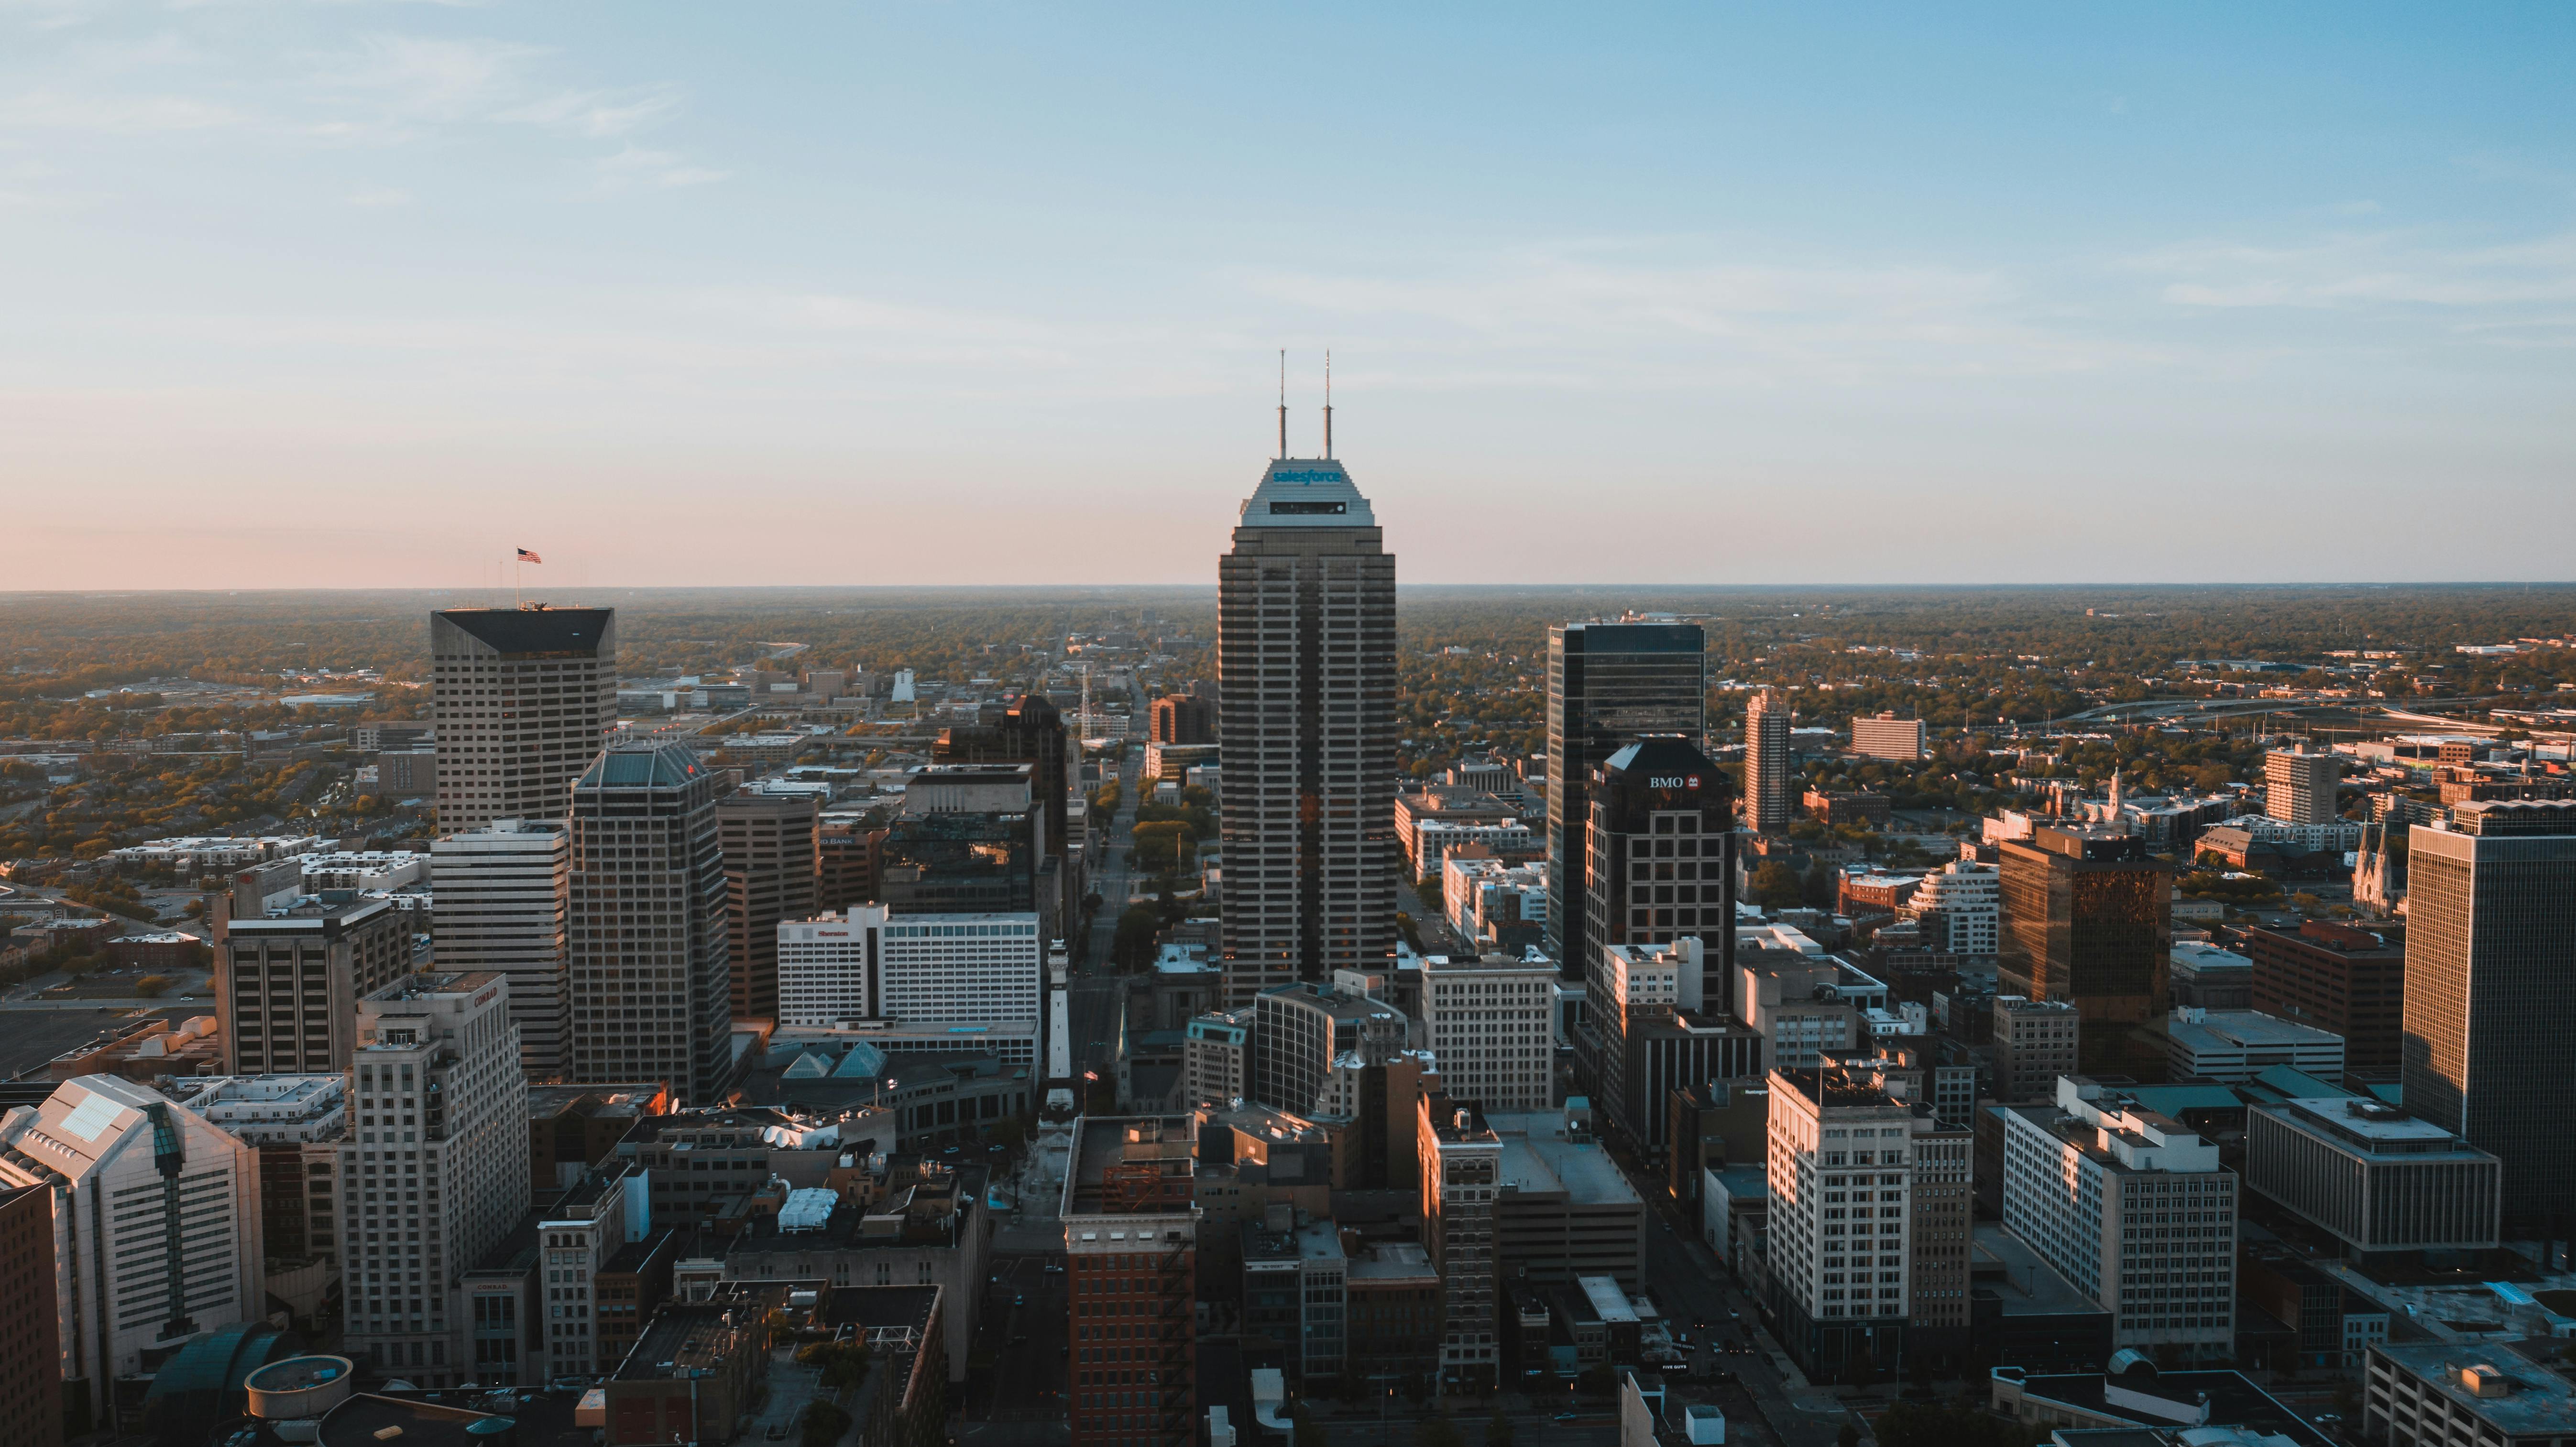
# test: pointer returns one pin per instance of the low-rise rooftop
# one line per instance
(1543, 1153)
(2026, 1285)
(2529, 1400)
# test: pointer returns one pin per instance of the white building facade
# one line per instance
(1491, 1027)
(156, 1224)
(433, 1171)
(501, 896)
(2133, 1209)
(1841, 1166)
(870, 963)
(1970, 900)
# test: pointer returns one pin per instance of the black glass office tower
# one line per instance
(1660, 842)
(2490, 952)
(1608, 685)
(1306, 725)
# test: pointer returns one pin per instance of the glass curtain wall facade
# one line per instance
(1608, 685)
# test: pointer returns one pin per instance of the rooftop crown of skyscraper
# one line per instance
(1307, 492)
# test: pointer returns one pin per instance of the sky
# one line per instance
(331, 293)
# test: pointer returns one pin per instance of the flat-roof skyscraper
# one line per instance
(1608, 685)
(1306, 725)
(2088, 919)
(650, 976)
(1766, 763)
(2299, 787)
(521, 699)
(2490, 948)
(499, 905)
(769, 842)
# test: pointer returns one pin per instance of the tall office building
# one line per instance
(2299, 787)
(433, 1167)
(1462, 1179)
(1306, 722)
(1184, 718)
(2490, 951)
(521, 699)
(971, 840)
(846, 856)
(1030, 730)
(650, 977)
(1766, 763)
(31, 1339)
(155, 1226)
(2350, 982)
(287, 981)
(1491, 1023)
(1301, 1031)
(499, 900)
(2088, 919)
(1608, 685)
(1841, 1166)
(1131, 1251)
(2035, 1042)
(769, 863)
(1660, 855)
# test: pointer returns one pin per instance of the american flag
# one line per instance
(528, 557)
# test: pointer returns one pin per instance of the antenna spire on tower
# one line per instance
(1283, 402)
(1328, 402)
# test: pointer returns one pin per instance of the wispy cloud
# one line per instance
(2383, 269)
(637, 168)
(1677, 309)
(414, 77)
(596, 113)
(50, 109)
(375, 88)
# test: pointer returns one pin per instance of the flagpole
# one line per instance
(518, 569)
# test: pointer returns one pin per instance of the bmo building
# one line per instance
(1661, 857)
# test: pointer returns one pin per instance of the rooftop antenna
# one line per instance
(1328, 403)
(1283, 403)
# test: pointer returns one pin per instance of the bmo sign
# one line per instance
(1672, 781)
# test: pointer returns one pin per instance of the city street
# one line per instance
(1689, 1284)
(1022, 1336)
(1096, 991)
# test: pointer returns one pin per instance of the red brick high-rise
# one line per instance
(31, 1353)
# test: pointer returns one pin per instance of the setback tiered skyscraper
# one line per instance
(521, 698)
(1608, 685)
(2490, 949)
(1306, 723)
(438, 1114)
(651, 964)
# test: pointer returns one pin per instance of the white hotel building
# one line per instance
(872, 964)
(2131, 1207)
